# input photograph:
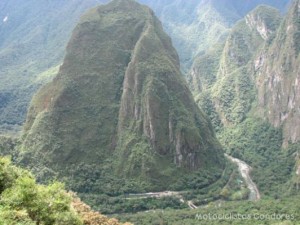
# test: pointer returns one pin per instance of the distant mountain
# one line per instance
(33, 36)
(119, 108)
(197, 25)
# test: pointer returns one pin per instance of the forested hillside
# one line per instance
(248, 86)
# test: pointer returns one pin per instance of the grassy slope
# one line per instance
(232, 91)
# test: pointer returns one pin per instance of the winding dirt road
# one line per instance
(161, 195)
(245, 171)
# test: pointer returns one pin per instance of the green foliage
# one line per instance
(8, 146)
(195, 26)
(25, 54)
(269, 15)
(126, 204)
(25, 202)
(230, 102)
(198, 180)
(205, 102)
(223, 188)
(235, 189)
(106, 192)
(233, 96)
(222, 79)
(201, 187)
(206, 70)
(8, 174)
(14, 217)
(140, 157)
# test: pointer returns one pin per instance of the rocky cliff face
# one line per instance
(120, 102)
(224, 78)
(278, 77)
(256, 74)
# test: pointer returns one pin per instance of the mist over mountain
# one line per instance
(196, 25)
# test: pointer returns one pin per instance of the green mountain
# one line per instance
(119, 116)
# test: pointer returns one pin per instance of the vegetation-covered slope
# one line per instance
(257, 72)
(230, 84)
(119, 108)
(222, 80)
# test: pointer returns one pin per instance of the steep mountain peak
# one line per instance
(119, 105)
(124, 4)
(264, 19)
